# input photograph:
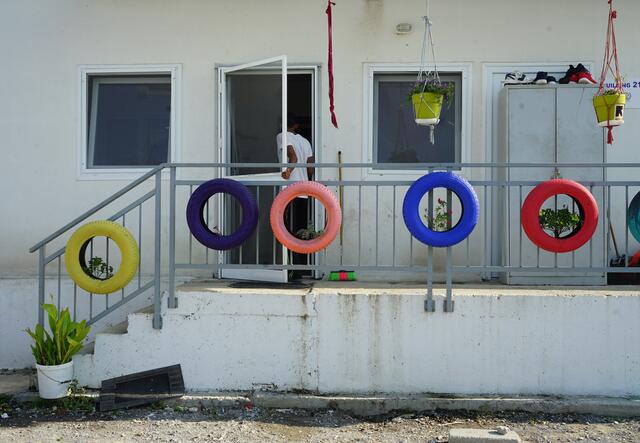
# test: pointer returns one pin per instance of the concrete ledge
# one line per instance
(383, 404)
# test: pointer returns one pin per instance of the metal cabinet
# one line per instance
(548, 124)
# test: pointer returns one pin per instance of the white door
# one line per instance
(250, 114)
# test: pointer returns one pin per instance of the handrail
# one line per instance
(389, 166)
(395, 166)
(99, 206)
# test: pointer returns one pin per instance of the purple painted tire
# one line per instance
(198, 225)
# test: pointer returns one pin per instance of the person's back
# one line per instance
(302, 149)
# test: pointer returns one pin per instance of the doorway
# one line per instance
(252, 104)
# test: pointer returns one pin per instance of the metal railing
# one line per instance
(376, 239)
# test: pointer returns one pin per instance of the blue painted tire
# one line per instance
(468, 202)
(198, 225)
(633, 217)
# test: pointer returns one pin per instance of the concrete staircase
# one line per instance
(365, 339)
(223, 338)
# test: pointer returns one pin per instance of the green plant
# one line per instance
(558, 221)
(446, 89)
(609, 92)
(442, 220)
(64, 341)
(309, 233)
(98, 269)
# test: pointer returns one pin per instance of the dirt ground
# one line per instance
(79, 423)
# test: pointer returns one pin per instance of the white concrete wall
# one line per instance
(19, 298)
(520, 341)
(43, 43)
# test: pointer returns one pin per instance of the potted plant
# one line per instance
(442, 220)
(609, 106)
(427, 97)
(559, 221)
(53, 351)
(98, 269)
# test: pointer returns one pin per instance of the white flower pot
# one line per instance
(53, 381)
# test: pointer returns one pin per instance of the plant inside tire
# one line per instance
(587, 207)
(468, 202)
(75, 261)
(198, 225)
(321, 193)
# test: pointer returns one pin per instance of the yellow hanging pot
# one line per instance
(426, 107)
(610, 109)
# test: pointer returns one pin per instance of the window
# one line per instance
(127, 119)
(397, 138)
(390, 132)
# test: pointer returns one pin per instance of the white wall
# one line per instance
(43, 43)
(515, 341)
(19, 297)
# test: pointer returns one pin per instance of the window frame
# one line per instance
(368, 123)
(125, 172)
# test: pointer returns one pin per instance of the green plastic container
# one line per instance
(426, 107)
(610, 109)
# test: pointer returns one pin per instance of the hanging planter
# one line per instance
(609, 103)
(429, 93)
(609, 107)
(427, 98)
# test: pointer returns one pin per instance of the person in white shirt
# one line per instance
(299, 150)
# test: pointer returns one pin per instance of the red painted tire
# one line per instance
(324, 196)
(529, 215)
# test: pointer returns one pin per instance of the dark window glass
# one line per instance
(396, 136)
(129, 121)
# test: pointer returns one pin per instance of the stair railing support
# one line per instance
(157, 318)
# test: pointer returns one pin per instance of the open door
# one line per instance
(252, 110)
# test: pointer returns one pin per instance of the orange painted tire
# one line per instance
(321, 193)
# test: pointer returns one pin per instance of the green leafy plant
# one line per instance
(442, 219)
(309, 233)
(98, 269)
(609, 92)
(63, 341)
(559, 221)
(446, 89)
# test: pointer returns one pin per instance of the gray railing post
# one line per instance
(172, 301)
(157, 319)
(448, 303)
(41, 265)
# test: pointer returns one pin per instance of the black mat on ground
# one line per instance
(142, 388)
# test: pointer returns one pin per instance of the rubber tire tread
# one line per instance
(130, 256)
(468, 201)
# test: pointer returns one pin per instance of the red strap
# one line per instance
(344, 275)
(334, 119)
(609, 135)
(611, 54)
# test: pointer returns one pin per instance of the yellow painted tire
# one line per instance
(74, 252)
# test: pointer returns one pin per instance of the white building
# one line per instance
(76, 76)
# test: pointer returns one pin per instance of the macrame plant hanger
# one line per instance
(424, 73)
(610, 64)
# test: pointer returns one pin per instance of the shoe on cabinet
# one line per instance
(551, 80)
(515, 78)
(541, 78)
(585, 78)
(571, 73)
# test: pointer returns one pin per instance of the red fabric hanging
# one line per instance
(611, 57)
(334, 119)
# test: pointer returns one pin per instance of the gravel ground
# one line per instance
(79, 423)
